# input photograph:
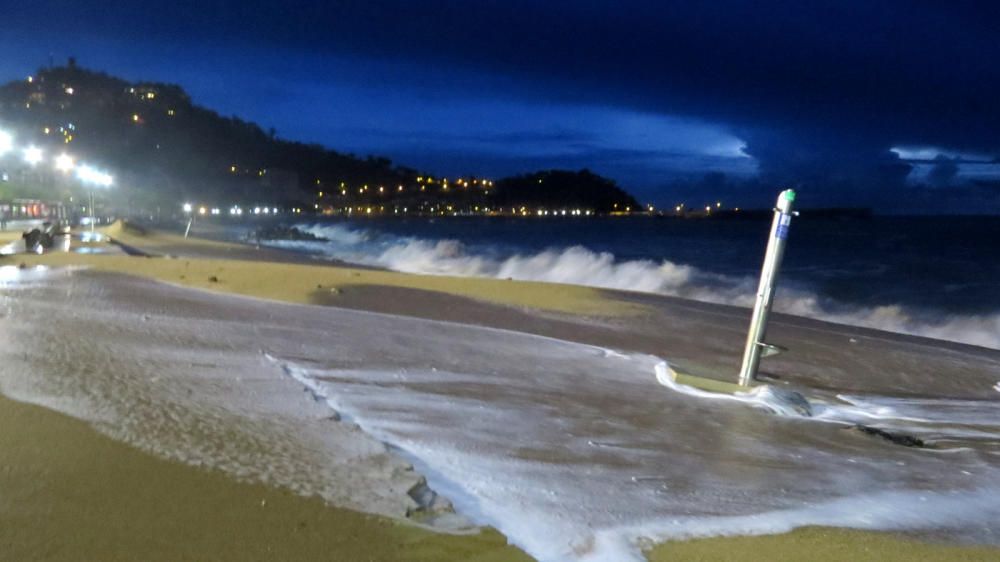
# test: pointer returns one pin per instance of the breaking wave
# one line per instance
(581, 266)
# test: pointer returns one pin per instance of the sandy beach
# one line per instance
(229, 402)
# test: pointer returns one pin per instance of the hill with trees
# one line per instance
(163, 149)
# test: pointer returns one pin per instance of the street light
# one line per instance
(92, 178)
(64, 163)
(32, 155)
(6, 142)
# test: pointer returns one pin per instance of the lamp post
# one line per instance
(93, 179)
(91, 208)
(188, 210)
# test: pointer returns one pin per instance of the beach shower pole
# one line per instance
(765, 291)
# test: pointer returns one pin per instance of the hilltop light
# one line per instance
(135, 117)
(32, 155)
(64, 162)
(6, 142)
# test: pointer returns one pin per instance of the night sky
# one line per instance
(893, 104)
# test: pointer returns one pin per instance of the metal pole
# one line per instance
(91, 210)
(765, 291)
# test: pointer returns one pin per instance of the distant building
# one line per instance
(20, 209)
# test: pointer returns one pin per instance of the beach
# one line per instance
(228, 402)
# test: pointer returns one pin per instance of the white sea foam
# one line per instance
(764, 397)
(471, 448)
(579, 265)
(937, 417)
(572, 451)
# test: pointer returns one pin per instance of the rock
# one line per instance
(428, 500)
(894, 438)
(213, 279)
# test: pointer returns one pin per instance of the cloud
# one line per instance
(818, 92)
(943, 172)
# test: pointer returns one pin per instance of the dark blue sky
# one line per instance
(891, 103)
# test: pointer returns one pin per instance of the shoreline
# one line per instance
(565, 312)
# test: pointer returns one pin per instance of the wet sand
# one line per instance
(699, 337)
(70, 493)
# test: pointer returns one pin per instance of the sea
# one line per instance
(933, 276)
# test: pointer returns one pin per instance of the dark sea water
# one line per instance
(933, 276)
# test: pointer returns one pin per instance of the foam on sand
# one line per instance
(521, 464)
(572, 451)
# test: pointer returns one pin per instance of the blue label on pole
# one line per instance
(783, 222)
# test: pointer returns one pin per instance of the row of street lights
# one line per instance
(88, 175)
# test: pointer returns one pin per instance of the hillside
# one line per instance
(164, 149)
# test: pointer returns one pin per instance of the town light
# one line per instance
(6, 142)
(32, 155)
(92, 176)
(64, 163)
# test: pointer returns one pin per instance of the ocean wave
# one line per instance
(581, 266)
